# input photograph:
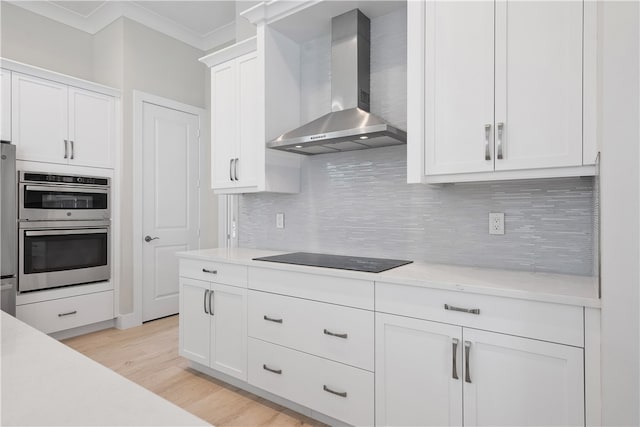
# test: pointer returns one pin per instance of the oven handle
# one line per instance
(66, 231)
(67, 189)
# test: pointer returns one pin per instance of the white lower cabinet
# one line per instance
(213, 326)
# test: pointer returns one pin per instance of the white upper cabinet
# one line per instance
(241, 163)
(56, 123)
(5, 105)
(504, 90)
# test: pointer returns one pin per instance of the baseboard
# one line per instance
(126, 321)
(265, 394)
(83, 330)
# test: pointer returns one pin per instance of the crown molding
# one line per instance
(110, 11)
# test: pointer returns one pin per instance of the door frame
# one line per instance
(139, 99)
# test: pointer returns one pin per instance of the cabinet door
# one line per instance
(229, 330)
(459, 87)
(223, 125)
(39, 122)
(524, 382)
(418, 372)
(5, 105)
(538, 84)
(248, 122)
(194, 320)
(92, 131)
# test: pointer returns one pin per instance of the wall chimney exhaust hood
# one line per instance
(350, 125)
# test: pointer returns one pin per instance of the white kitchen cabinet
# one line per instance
(56, 123)
(517, 381)
(213, 326)
(418, 372)
(503, 94)
(5, 105)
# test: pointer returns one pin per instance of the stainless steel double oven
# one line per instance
(63, 230)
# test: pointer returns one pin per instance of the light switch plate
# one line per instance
(496, 223)
(280, 220)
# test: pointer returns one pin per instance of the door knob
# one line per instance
(149, 238)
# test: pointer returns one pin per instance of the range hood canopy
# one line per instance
(350, 125)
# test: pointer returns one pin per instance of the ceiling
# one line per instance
(202, 24)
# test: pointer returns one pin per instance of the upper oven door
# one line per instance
(63, 202)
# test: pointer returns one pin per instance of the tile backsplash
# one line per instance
(359, 203)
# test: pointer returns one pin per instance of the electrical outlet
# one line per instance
(280, 220)
(496, 223)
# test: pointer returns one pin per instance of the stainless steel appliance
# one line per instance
(63, 230)
(342, 262)
(350, 125)
(8, 228)
(62, 253)
(49, 197)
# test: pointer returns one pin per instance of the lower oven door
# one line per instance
(55, 257)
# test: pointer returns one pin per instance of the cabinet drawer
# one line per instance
(332, 289)
(211, 271)
(540, 320)
(66, 313)
(343, 334)
(310, 381)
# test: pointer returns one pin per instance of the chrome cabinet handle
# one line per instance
(462, 310)
(206, 293)
(333, 334)
(231, 170)
(211, 295)
(271, 319)
(500, 127)
(454, 350)
(68, 314)
(487, 135)
(467, 350)
(235, 169)
(147, 238)
(337, 393)
(275, 371)
(204, 270)
(72, 150)
(66, 149)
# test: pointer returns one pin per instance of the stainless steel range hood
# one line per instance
(349, 126)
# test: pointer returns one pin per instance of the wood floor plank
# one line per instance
(148, 355)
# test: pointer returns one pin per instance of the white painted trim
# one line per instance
(416, 15)
(512, 175)
(126, 321)
(58, 77)
(82, 330)
(592, 378)
(275, 10)
(139, 98)
(590, 146)
(113, 10)
(230, 52)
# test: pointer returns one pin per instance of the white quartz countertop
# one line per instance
(547, 287)
(46, 383)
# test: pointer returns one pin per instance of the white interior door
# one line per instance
(170, 218)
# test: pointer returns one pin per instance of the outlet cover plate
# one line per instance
(280, 220)
(496, 223)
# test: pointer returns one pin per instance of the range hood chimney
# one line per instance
(349, 126)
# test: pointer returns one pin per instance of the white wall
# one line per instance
(620, 181)
(36, 40)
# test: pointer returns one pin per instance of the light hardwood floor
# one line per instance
(148, 355)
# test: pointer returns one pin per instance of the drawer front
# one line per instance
(211, 271)
(66, 313)
(343, 334)
(533, 319)
(337, 290)
(334, 389)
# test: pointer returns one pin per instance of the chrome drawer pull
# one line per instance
(337, 393)
(487, 135)
(68, 314)
(455, 358)
(333, 334)
(204, 270)
(206, 293)
(275, 371)
(500, 130)
(462, 310)
(467, 350)
(271, 319)
(211, 295)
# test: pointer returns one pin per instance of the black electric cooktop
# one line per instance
(370, 265)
